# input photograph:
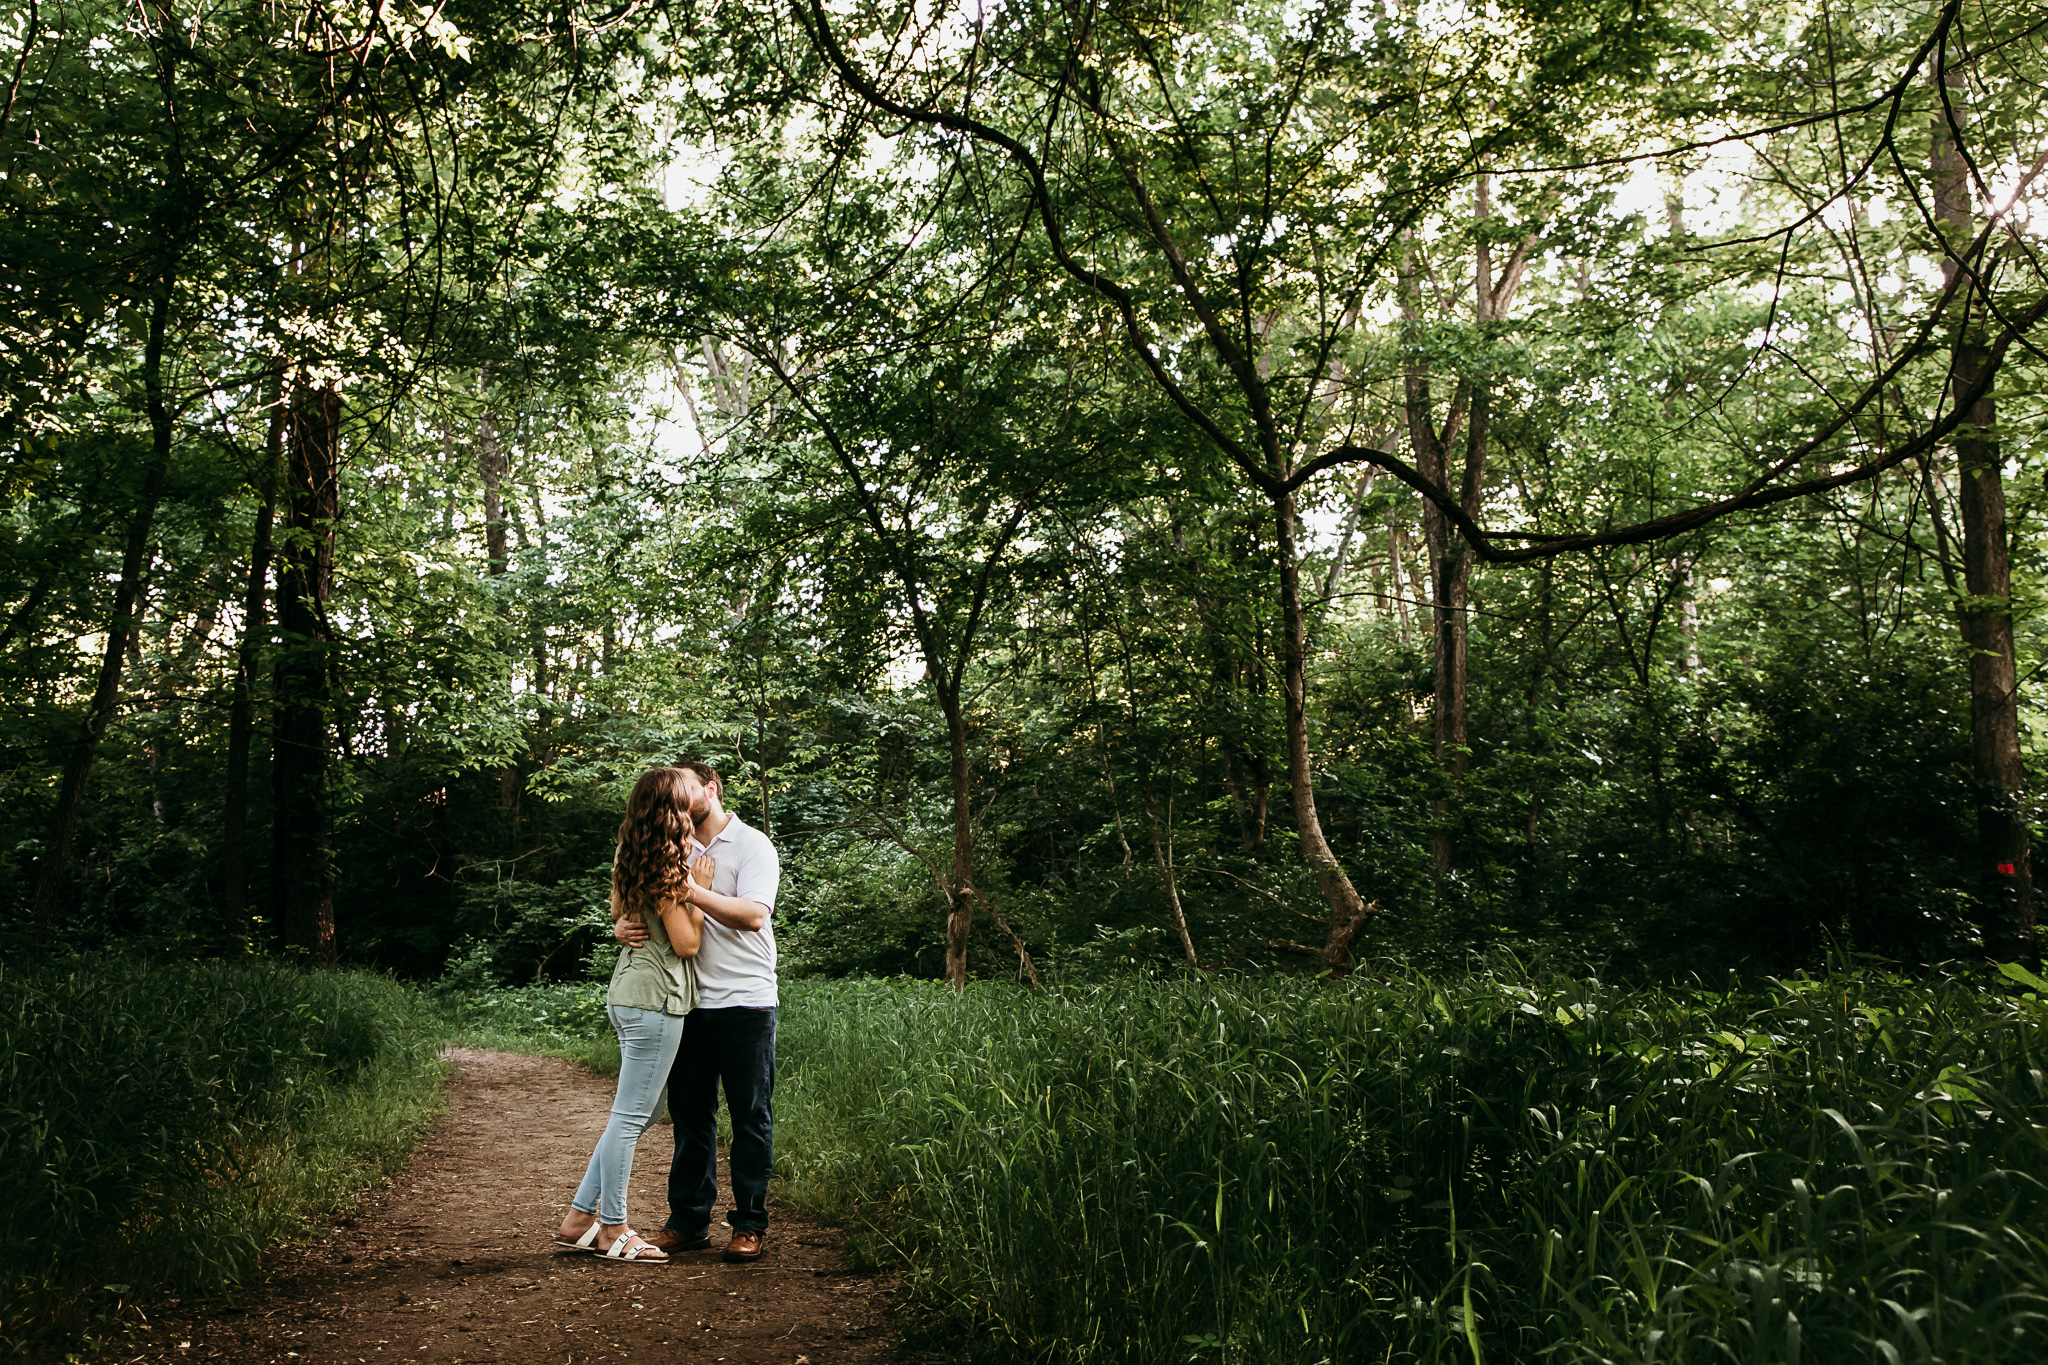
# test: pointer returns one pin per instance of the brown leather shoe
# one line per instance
(671, 1241)
(744, 1246)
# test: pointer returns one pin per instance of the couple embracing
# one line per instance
(693, 1001)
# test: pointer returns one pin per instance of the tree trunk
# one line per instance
(2006, 877)
(242, 710)
(302, 888)
(1454, 574)
(1349, 912)
(1440, 551)
(1354, 510)
(491, 465)
(1450, 558)
(761, 771)
(1450, 570)
(53, 874)
(38, 593)
(1162, 855)
(1689, 615)
(1397, 579)
(960, 891)
(533, 553)
(1247, 799)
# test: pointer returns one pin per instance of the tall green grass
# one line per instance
(162, 1122)
(557, 1019)
(1500, 1166)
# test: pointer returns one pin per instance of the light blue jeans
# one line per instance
(647, 1049)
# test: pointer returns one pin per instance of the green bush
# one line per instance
(519, 930)
(564, 1020)
(856, 907)
(1495, 1166)
(161, 1122)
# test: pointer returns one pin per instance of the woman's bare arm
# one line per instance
(684, 921)
(685, 925)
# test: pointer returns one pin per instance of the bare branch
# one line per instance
(28, 42)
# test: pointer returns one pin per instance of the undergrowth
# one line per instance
(161, 1123)
(564, 1019)
(1498, 1166)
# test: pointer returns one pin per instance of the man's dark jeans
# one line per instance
(735, 1047)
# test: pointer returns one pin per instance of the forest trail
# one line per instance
(452, 1260)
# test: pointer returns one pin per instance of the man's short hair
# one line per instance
(706, 774)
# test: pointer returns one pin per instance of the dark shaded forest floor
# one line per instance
(452, 1260)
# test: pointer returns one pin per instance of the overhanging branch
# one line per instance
(1119, 297)
(1545, 546)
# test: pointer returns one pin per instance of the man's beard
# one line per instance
(700, 810)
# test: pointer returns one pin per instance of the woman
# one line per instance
(653, 987)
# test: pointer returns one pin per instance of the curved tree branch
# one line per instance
(1756, 496)
(1276, 484)
(1119, 297)
(28, 42)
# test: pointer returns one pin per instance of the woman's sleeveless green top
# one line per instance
(652, 977)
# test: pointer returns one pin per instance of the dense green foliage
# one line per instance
(1018, 446)
(164, 1122)
(690, 408)
(566, 1019)
(1496, 1164)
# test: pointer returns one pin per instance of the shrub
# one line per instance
(527, 931)
(162, 1121)
(859, 907)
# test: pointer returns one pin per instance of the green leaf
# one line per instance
(2013, 971)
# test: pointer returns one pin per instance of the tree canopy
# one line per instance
(1105, 483)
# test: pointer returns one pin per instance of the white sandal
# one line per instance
(631, 1246)
(587, 1242)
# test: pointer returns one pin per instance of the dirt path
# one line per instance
(452, 1260)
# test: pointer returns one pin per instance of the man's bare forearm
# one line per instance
(730, 911)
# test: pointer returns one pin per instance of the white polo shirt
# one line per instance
(736, 968)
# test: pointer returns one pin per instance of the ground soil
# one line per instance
(453, 1260)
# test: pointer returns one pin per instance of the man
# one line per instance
(729, 1039)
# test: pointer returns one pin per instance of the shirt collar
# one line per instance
(732, 822)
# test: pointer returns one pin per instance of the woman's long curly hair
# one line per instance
(654, 842)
